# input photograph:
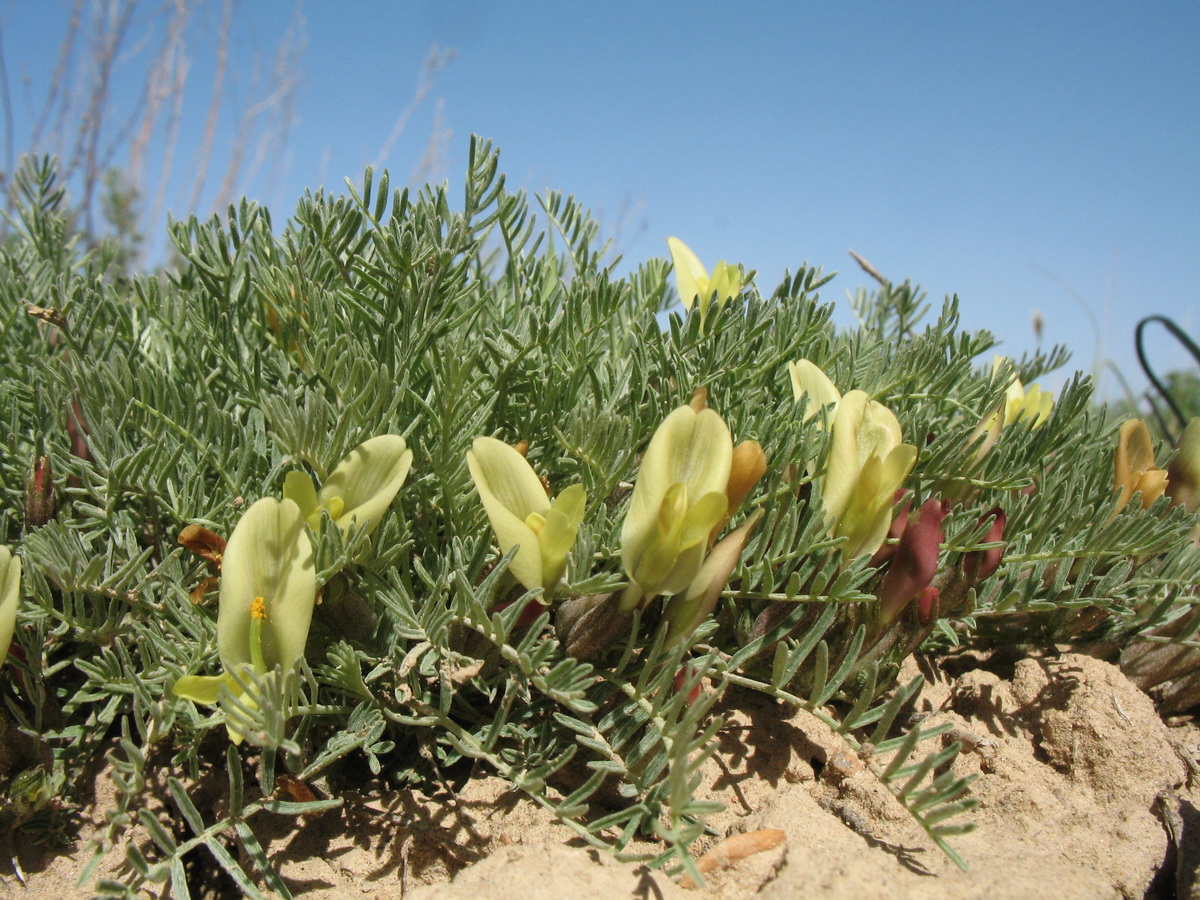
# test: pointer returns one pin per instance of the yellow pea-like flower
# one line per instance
(1031, 405)
(268, 589)
(696, 285)
(360, 489)
(1133, 467)
(678, 500)
(522, 514)
(866, 465)
(10, 596)
(808, 380)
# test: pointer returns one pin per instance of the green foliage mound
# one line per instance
(162, 402)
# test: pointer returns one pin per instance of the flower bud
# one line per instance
(979, 564)
(808, 380)
(682, 677)
(927, 605)
(77, 430)
(749, 465)
(39, 494)
(888, 549)
(747, 469)
(916, 559)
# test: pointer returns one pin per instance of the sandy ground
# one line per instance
(1083, 790)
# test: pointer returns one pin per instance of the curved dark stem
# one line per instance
(1180, 335)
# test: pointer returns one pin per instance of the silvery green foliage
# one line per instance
(271, 347)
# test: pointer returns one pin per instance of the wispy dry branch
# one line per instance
(169, 74)
(6, 98)
(433, 160)
(115, 50)
(111, 23)
(56, 96)
(436, 60)
(214, 103)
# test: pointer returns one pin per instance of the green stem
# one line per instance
(205, 452)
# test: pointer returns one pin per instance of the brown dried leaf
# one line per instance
(197, 593)
(203, 543)
(297, 790)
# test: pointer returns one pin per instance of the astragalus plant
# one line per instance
(416, 482)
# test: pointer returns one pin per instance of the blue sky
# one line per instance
(1022, 155)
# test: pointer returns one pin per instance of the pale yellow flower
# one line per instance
(10, 596)
(694, 282)
(866, 465)
(359, 490)
(809, 381)
(678, 500)
(522, 515)
(1032, 405)
(268, 589)
(1134, 468)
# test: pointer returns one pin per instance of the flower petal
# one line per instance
(866, 465)
(10, 596)
(843, 465)
(878, 431)
(724, 285)
(1038, 404)
(899, 463)
(504, 473)
(1153, 484)
(808, 380)
(205, 689)
(268, 556)
(657, 556)
(691, 278)
(702, 517)
(558, 534)
(683, 573)
(510, 491)
(298, 487)
(690, 448)
(367, 481)
(1014, 401)
(1135, 452)
(867, 516)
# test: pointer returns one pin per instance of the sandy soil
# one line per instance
(1083, 790)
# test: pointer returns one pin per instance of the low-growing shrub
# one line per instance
(418, 483)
